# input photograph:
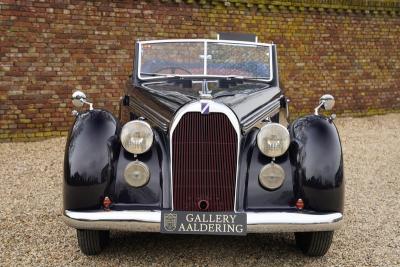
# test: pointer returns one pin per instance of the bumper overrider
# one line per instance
(207, 223)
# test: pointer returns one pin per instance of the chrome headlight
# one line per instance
(137, 137)
(273, 140)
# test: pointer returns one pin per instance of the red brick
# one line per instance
(50, 48)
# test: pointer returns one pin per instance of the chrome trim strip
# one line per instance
(145, 221)
(139, 60)
(214, 108)
(255, 117)
(202, 40)
(156, 118)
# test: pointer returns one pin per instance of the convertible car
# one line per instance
(203, 144)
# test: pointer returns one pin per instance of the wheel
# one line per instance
(314, 243)
(91, 242)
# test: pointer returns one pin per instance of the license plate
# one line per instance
(203, 223)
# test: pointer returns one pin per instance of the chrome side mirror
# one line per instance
(79, 99)
(326, 101)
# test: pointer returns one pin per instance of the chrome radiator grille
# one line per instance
(204, 162)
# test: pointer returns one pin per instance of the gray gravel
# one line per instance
(32, 231)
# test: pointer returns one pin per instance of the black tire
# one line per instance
(314, 243)
(92, 242)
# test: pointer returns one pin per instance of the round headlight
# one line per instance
(273, 140)
(137, 137)
(271, 176)
(137, 174)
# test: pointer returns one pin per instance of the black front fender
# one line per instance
(317, 155)
(89, 162)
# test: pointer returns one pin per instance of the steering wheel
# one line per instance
(173, 70)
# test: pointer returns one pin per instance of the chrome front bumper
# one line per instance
(149, 221)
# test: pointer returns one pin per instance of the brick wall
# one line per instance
(350, 49)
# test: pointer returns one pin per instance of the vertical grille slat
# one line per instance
(204, 155)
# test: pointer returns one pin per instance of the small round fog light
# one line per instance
(272, 176)
(137, 174)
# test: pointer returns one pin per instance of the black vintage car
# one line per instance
(203, 145)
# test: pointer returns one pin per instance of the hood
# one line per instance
(160, 107)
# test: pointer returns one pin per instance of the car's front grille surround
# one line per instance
(204, 162)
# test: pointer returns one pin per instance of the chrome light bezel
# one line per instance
(269, 129)
(127, 130)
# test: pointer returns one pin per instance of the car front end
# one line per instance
(207, 149)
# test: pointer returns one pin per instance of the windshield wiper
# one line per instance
(223, 94)
(245, 79)
(172, 95)
(239, 91)
(152, 74)
(161, 75)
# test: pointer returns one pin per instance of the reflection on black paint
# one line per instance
(317, 154)
(87, 161)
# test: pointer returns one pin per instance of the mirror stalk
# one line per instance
(317, 108)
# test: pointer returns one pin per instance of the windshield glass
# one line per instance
(208, 58)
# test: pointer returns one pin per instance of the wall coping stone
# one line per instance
(390, 7)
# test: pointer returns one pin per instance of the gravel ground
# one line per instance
(32, 232)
